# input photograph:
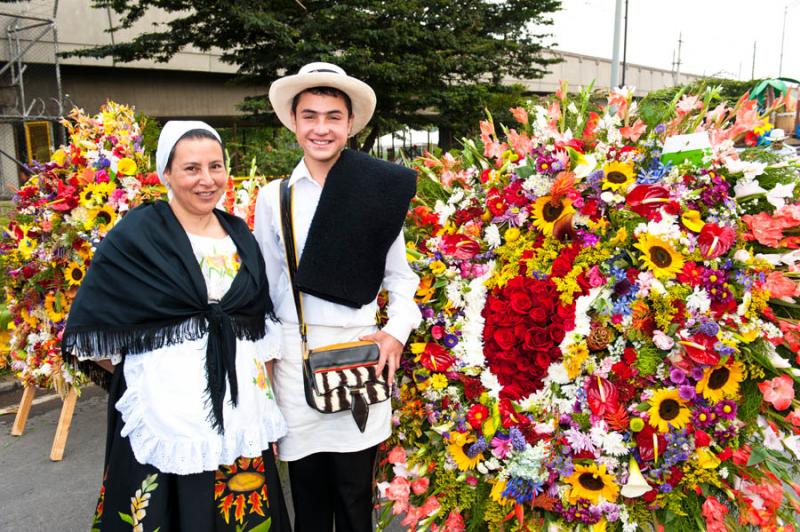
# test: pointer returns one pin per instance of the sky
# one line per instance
(717, 35)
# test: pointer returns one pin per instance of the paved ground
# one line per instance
(37, 494)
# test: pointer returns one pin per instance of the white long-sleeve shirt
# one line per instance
(399, 280)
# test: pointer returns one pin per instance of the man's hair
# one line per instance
(324, 91)
(194, 134)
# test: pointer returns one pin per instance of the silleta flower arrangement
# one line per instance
(61, 214)
(610, 329)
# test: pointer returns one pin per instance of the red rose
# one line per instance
(556, 332)
(538, 315)
(520, 302)
(505, 338)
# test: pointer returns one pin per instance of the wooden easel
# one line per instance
(64, 420)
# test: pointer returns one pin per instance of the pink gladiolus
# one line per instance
(520, 142)
(633, 132)
(688, 104)
(519, 114)
(764, 228)
(778, 391)
(430, 505)
(714, 513)
(399, 490)
(420, 485)
(397, 455)
(781, 287)
(454, 523)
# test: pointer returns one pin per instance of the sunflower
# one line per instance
(459, 440)
(721, 382)
(96, 194)
(545, 215)
(55, 306)
(592, 482)
(618, 176)
(74, 273)
(667, 409)
(102, 217)
(85, 250)
(659, 256)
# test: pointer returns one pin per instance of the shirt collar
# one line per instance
(300, 172)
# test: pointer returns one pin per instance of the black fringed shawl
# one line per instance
(145, 290)
(360, 213)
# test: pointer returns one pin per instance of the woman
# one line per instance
(177, 297)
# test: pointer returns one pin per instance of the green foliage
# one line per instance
(751, 401)
(275, 150)
(648, 359)
(655, 107)
(150, 131)
(441, 55)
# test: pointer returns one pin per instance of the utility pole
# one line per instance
(783, 38)
(753, 72)
(615, 48)
(678, 60)
(625, 45)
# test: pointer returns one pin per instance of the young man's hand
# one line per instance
(391, 350)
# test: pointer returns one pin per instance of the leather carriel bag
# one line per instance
(336, 377)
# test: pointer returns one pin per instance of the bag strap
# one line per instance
(287, 227)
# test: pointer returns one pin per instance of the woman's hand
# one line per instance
(391, 350)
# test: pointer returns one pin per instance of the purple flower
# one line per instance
(687, 392)
(697, 373)
(704, 417)
(726, 409)
(660, 128)
(677, 376)
(450, 340)
(517, 439)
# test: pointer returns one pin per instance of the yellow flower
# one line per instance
(417, 347)
(659, 256)
(439, 381)
(591, 482)
(667, 409)
(545, 215)
(126, 166)
(458, 440)
(721, 382)
(74, 273)
(693, 221)
(26, 246)
(96, 194)
(600, 526)
(85, 251)
(706, 459)
(59, 157)
(437, 267)
(55, 306)
(618, 176)
(497, 492)
(512, 234)
(102, 217)
(576, 354)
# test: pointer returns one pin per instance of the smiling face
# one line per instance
(196, 176)
(322, 125)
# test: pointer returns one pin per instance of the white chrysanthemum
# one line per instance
(698, 301)
(492, 385)
(557, 373)
(492, 236)
(470, 349)
(455, 196)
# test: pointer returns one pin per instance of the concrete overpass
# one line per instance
(36, 85)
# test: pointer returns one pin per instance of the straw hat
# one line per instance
(319, 74)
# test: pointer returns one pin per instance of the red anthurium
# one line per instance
(715, 240)
(459, 247)
(602, 396)
(646, 200)
(700, 348)
(436, 358)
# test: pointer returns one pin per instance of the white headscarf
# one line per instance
(171, 133)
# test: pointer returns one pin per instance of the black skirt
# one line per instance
(245, 496)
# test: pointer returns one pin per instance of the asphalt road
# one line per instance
(37, 494)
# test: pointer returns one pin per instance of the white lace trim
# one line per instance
(185, 456)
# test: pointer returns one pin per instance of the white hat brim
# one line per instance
(362, 97)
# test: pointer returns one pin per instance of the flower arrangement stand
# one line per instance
(64, 422)
(24, 409)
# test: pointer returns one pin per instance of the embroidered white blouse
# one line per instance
(165, 407)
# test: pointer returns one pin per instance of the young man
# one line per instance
(348, 210)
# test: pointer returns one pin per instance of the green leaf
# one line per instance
(758, 455)
(263, 527)
(127, 518)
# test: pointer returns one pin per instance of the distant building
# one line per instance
(37, 86)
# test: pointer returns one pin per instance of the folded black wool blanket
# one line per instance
(360, 213)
